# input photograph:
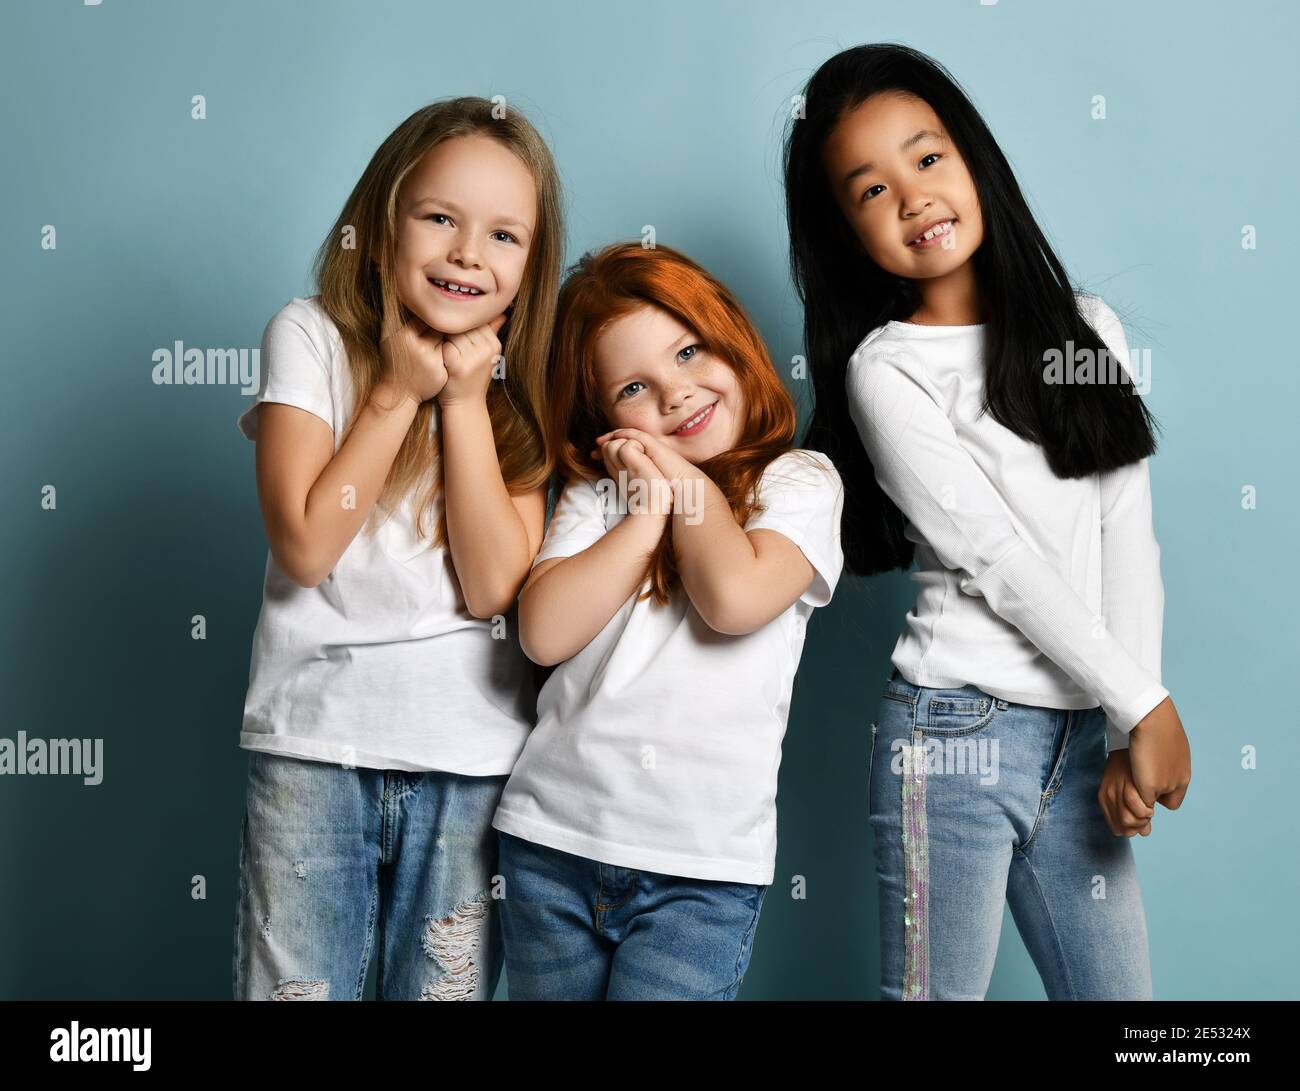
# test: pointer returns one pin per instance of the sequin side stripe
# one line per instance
(916, 877)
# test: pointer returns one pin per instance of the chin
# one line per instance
(452, 320)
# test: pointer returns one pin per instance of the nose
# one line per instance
(676, 395)
(913, 204)
(464, 251)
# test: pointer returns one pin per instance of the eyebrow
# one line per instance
(615, 385)
(458, 210)
(911, 141)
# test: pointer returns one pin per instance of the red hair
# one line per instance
(611, 283)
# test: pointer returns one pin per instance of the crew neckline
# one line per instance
(933, 330)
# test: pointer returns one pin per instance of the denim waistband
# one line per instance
(898, 684)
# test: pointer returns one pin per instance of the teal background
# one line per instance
(671, 115)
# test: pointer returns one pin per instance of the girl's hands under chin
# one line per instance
(469, 358)
(413, 356)
(673, 466)
(629, 455)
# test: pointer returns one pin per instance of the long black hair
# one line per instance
(1083, 428)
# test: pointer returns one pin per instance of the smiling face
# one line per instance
(465, 217)
(654, 374)
(895, 173)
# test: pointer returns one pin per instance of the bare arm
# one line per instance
(493, 536)
(737, 581)
(568, 600)
(302, 485)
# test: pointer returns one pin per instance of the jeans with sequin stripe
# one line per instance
(977, 803)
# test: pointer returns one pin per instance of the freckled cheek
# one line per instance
(620, 417)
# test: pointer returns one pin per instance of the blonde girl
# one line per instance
(402, 476)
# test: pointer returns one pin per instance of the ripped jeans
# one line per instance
(1002, 808)
(328, 853)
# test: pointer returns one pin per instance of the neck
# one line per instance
(950, 300)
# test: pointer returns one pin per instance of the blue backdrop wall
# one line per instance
(171, 228)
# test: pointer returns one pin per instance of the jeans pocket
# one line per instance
(951, 714)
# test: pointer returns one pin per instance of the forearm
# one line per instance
(342, 496)
(570, 603)
(713, 554)
(486, 537)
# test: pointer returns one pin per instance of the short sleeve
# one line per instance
(802, 497)
(295, 366)
(577, 522)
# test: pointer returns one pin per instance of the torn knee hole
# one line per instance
(301, 988)
(452, 941)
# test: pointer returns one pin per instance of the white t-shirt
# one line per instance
(657, 745)
(380, 665)
(1035, 588)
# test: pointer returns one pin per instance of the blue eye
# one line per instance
(692, 349)
(507, 234)
(623, 393)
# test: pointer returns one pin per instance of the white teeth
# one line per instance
(456, 287)
(695, 419)
(937, 229)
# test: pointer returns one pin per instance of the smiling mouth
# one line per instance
(455, 289)
(696, 423)
(935, 234)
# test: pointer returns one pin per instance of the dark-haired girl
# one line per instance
(1024, 733)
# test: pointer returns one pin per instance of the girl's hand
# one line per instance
(469, 358)
(673, 466)
(413, 356)
(630, 455)
(1161, 757)
(1121, 802)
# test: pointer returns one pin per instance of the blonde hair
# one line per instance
(356, 283)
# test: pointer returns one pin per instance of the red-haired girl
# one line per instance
(638, 829)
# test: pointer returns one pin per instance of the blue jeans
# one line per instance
(1003, 809)
(577, 929)
(328, 853)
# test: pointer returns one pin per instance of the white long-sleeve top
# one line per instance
(1037, 589)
